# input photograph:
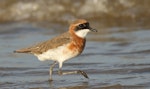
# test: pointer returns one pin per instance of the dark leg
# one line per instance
(73, 72)
(51, 70)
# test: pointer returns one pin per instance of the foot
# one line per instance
(73, 72)
(83, 73)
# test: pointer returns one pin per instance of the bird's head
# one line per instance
(81, 27)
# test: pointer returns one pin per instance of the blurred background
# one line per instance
(103, 12)
(119, 50)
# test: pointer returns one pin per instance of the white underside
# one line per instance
(59, 54)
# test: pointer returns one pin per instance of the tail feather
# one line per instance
(22, 51)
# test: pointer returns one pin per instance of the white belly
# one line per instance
(59, 54)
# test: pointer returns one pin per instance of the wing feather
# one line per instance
(49, 44)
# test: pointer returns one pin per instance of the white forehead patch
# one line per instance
(82, 33)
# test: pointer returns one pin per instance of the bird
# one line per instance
(62, 47)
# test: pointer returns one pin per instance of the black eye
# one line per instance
(82, 25)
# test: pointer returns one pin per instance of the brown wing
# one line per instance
(49, 44)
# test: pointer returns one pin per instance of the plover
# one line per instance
(63, 47)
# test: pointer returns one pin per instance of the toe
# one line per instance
(83, 73)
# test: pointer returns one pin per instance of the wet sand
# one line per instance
(114, 58)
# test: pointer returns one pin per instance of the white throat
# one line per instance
(82, 33)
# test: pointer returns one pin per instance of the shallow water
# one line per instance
(114, 58)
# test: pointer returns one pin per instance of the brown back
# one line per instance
(46, 45)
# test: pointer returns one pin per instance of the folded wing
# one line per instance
(49, 44)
